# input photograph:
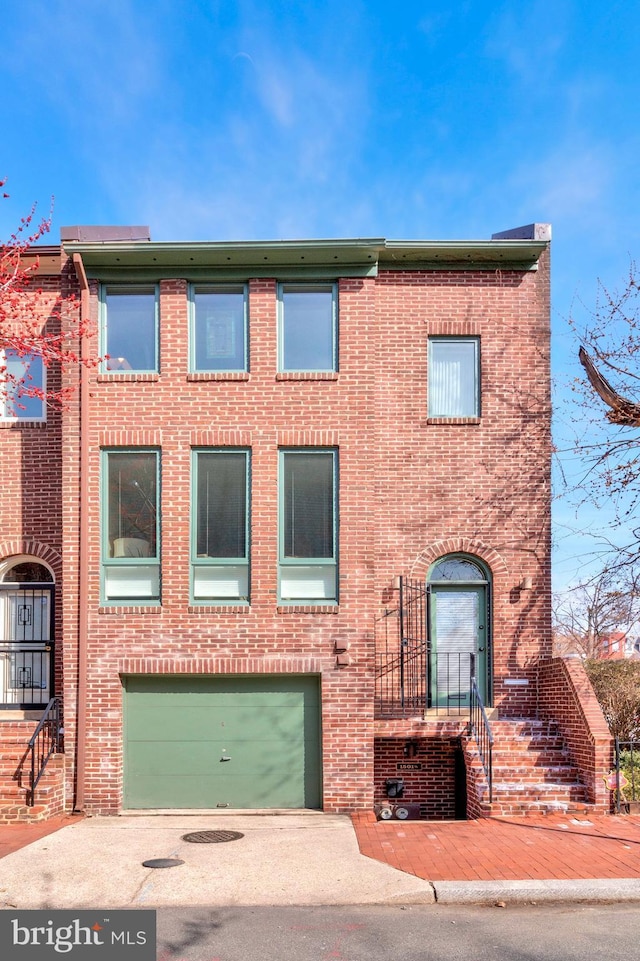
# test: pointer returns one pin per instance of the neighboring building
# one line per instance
(303, 498)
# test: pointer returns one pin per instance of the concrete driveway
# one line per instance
(304, 858)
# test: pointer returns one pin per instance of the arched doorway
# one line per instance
(459, 630)
(26, 636)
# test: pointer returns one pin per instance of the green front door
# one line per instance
(206, 742)
(458, 631)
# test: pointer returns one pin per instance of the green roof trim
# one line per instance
(296, 258)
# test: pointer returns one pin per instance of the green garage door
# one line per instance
(206, 742)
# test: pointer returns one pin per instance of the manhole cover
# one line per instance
(212, 837)
(162, 863)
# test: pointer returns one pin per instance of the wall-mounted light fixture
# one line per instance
(525, 584)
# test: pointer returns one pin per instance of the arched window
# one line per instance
(457, 568)
(27, 571)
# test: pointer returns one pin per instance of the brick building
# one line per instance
(301, 502)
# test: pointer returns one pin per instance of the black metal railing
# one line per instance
(410, 677)
(627, 775)
(401, 675)
(26, 678)
(416, 680)
(480, 729)
(45, 741)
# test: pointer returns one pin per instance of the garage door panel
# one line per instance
(179, 723)
(177, 734)
(194, 757)
(205, 792)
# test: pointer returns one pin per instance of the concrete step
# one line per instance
(547, 789)
(563, 773)
(542, 743)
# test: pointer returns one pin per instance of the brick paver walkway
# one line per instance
(15, 836)
(537, 847)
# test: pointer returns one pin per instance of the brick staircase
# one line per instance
(532, 772)
(16, 727)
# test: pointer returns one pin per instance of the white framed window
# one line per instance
(130, 527)
(308, 526)
(23, 383)
(129, 328)
(218, 328)
(220, 526)
(454, 377)
(308, 320)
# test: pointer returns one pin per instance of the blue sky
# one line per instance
(241, 119)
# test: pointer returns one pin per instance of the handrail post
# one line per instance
(48, 726)
(402, 641)
(481, 731)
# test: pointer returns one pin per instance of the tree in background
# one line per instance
(608, 441)
(38, 330)
(585, 617)
(617, 686)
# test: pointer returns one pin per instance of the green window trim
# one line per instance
(218, 333)
(307, 334)
(130, 526)
(220, 520)
(130, 347)
(308, 526)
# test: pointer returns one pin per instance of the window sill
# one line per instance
(205, 375)
(454, 421)
(307, 609)
(128, 377)
(21, 422)
(133, 608)
(307, 375)
(217, 608)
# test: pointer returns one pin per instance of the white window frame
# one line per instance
(9, 412)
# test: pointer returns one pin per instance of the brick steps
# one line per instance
(532, 772)
(10, 812)
(15, 777)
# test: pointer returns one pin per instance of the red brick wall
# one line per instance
(566, 696)
(405, 486)
(31, 472)
(409, 491)
(433, 787)
(482, 486)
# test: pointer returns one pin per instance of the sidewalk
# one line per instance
(559, 846)
(558, 857)
(309, 858)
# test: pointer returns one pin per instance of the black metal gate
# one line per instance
(26, 645)
(410, 676)
(401, 653)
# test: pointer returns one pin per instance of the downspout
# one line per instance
(83, 614)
